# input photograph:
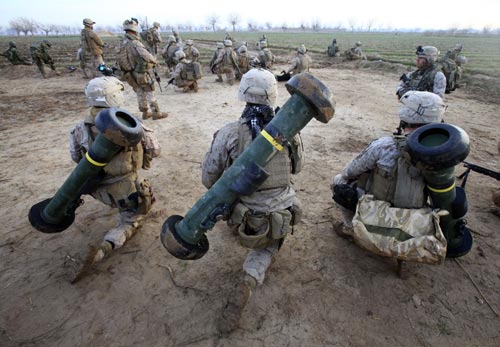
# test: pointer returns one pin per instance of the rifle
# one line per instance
(472, 167)
(170, 81)
(157, 78)
(106, 71)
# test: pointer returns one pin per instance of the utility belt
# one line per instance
(260, 229)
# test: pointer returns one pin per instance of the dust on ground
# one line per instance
(321, 291)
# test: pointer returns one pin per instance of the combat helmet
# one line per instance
(47, 42)
(12, 44)
(358, 44)
(180, 55)
(302, 49)
(189, 42)
(263, 44)
(105, 92)
(430, 53)
(219, 45)
(88, 22)
(156, 25)
(258, 86)
(170, 38)
(228, 43)
(421, 108)
(130, 24)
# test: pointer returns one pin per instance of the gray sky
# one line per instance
(393, 14)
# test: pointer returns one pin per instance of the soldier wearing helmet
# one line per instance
(266, 58)
(186, 73)
(91, 49)
(152, 38)
(256, 217)
(13, 57)
(137, 64)
(427, 77)
(243, 58)
(191, 51)
(40, 56)
(168, 52)
(355, 53)
(119, 186)
(382, 169)
(301, 62)
(333, 49)
(219, 46)
(226, 63)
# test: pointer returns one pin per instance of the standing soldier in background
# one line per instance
(91, 52)
(266, 58)
(264, 218)
(152, 38)
(427, 77)
(219, 47)
(13, 57)
(226, 63)
(301, 62)
(243, 60)
(137, 63)
(191, 52)
(120, 186)
(40, 56)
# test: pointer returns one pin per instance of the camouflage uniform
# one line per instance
(154, 44)
(137, 63)
(243, 60)
(427, 77)
(300, 63)
(213, 67)
(91, 52)
(333, 49)
(226, 62)
(40, 56)
(13, 57)
(355, 53)
(265, 56)
(191, 52)
(168, 52)
(181, 79)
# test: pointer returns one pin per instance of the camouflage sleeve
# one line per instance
(220, 56)
(381, 152)
(402, 85)
(96, 39)
(177, 72)
(222, 152)
(156, 36)
(293, 67)
(151, 147)
(78, 142)
(439, 87)
(144, 53)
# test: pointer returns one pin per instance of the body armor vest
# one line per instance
(404, 186)
(423, 80)
(278, 168)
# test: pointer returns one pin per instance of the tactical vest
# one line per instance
(403, 186)
(303, 64)
(126, 56)
(228, 59)
(191, 71)
(243, 62)
(278, 168)
(423, 80)
(127, 161)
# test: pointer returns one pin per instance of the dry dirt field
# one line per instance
(321, 291)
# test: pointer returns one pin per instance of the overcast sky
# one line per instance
(393, 14)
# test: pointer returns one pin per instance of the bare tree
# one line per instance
(269, 25)
(46, 28)
(316, 25)
(212, 20)
(303, 26)
(284, 26)
(370, 24)
(234, 19)
(352, 23)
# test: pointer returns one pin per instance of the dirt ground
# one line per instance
(321, 291)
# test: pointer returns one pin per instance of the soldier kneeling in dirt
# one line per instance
(393, 196)
(118, 185)
(355, 53)
(187, 73)
(264, 218)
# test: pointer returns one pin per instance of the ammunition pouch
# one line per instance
(145, 196)
(260, 230)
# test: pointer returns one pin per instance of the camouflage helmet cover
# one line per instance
(263, 44)
(258, 86)
(302, 49)
(228, 43)
(12, 44)
(105, 92)
(189, 42)
(180, 55)
(156, 24)
(421, 107)
(47, 42)
(430, 53)
(358, 43)
(170, 38)
(219, 45)
(130, 24)
(88, 21)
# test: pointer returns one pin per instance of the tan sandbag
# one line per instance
(406, 234)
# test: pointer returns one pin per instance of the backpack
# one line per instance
(191, 71)
(147, 36)
(449, 68)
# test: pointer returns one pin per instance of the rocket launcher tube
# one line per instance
(185, 237)
(117, 129)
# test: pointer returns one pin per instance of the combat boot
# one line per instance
(157, 114)
(146, 114)
(236, 302)
(343, 230)
(78, 266)
(219, 79)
